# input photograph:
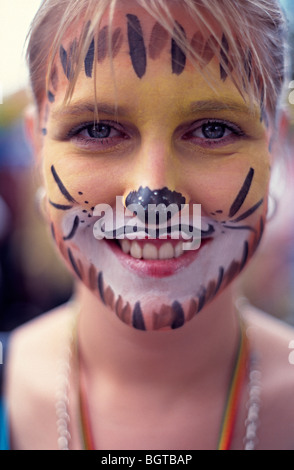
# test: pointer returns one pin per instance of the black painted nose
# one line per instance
(161, 198)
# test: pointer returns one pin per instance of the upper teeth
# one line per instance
(150, 251)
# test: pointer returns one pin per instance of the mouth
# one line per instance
(155, 258)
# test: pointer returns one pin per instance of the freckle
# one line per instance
(212, 213)
(82, 221)
(80, 192)
(85, 212)
(89, 215)
(92, 208)
(86, 202)
(219, 211)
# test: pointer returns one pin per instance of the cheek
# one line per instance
(229, 186)
(72, 180)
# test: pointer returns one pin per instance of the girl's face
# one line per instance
(161, 125)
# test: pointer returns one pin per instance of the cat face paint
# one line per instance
(160, 127)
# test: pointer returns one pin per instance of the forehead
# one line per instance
(137, 50)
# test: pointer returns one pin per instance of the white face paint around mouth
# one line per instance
(119, 273)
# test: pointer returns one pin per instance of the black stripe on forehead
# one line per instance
(136, 45)
(225, 59)
(67, 58)
(177, 53)
(89, 59)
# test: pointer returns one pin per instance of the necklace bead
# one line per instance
(253, 406)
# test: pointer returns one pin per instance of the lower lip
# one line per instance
(156, 268)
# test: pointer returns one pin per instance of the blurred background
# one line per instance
(32, 279)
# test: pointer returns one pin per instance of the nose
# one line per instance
(155, 179)
(161, 200)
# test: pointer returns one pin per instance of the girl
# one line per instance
(146, 111)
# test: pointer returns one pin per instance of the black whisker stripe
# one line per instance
(74, 229)
(138, 320)
(245, 255)
(177, 54)
(261, 230)
(220, 279)
(73, 263)
(179, 315)
(53, 231)
(60, 207)
(137, 46)
(248, 212)
(240, 227)
(242, 193)
(61, 186)
(101, 286)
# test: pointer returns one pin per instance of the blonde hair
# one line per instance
(250, 51)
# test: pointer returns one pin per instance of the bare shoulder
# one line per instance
(37, 335)
(272, 340)
(32, 369)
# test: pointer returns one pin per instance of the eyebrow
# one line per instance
(209, 105)
(111, 110)
(82, 108)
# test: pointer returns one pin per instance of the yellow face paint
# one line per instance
(161, 125)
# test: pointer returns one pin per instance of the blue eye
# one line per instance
(99, 131)
(98, 135)
(214, 130)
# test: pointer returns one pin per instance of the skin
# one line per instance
(162, 147)
(146, 388)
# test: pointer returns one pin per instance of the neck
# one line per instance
(203, 346)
